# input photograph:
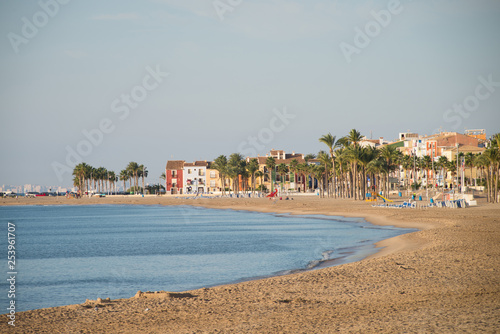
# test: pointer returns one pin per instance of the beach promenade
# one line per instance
(444, 278)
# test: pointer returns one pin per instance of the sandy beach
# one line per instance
(445, 278)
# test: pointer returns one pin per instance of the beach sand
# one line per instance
(444, 278)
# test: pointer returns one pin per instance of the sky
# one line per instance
(109, 82)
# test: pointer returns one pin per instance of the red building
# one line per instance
(173, 176)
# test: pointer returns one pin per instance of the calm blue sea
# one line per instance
(66, 254)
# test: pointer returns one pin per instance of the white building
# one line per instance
(195, 177)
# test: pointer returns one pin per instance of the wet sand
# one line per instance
(444, 278)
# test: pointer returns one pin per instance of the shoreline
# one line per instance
(345, 255)
(451, 265)
(385, 247)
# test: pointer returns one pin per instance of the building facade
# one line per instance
(195, 177)
(174, 173)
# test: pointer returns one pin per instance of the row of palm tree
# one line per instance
(346, 170)
(86, 177)
(133, 172)
(348, 167)
(489, 162)
(235, 167)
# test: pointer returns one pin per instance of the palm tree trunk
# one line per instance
(365, 183)
(351, 183)
(344, 184)
(488, 186)
(222, 184)
(355, 181)
(481, 176)
(388, 185)
(341, 182)
(492, 189)
(334, 181)
(496, 185)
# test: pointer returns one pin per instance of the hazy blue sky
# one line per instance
(381, 67)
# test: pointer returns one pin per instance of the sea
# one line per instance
(67, 254)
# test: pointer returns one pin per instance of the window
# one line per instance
(189, 171)
(212, 174)
(174, 173)
(212, 184)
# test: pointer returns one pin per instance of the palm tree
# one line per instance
(133, 169)
(496, 146)
(368, 154)
(480, 163)
(389, 154)
(318, 172)
(220, 164)
(270, 165)
(375, 168)
(452, 168)
(443, 164)
(327, 164)
(293, 170)
(354, 137)
(76, 183)
(406, 162)
(282, 171)
(354, 154)
(493, 156)
(426, 165)
(88, 176)
(253, 167)
(260, 175)
(469, 162)
(112, 178)
(303, 169)
(309, 156)
(245, 174)
(143, 172)
(236, 166)
(100, 176)
(93, 177)
(329, 141)
(342, 159)
(124, 176)
(80, 171)
(351, 142)
(307, 168)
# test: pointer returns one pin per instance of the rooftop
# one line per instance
(175, 164)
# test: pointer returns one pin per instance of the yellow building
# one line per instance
(213, 180)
